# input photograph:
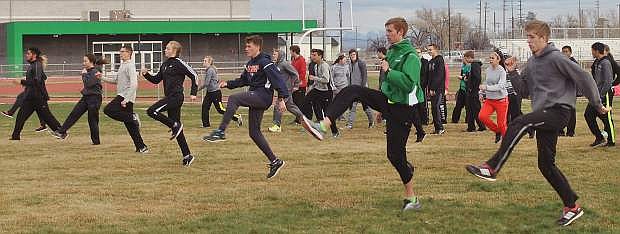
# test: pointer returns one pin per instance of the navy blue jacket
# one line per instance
(261, 75)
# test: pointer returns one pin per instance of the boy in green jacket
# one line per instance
(400, 92)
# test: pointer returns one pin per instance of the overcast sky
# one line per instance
(371, 14)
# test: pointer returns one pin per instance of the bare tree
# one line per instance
(376, 43)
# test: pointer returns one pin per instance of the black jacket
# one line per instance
(173, 72)
(424, 73)
(261, 75)
(437, 74)
(35, 82)
(474, 78)
(92, 85)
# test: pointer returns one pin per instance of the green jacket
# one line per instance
(402, 82)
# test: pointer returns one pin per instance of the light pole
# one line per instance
(340, 18)
(449, 30)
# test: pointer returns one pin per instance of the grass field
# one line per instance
(343, 185)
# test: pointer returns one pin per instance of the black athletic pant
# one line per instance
(436, 110)
(321, 100)
(257, 104)
(547, 123)
(472, 102)
(214, 98)
(399, 118)
(592, 113)
(171, 104)
(117, 112)
(572, 122)
(299, 97)
(461, 96)
(444, 109)
(423, 111)
(31, 105)
(90, 103)
(19, 101)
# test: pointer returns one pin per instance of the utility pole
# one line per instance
(340, 19)
(597, 4)
(480, 16)
(580, 21)
(324, 23)
(504, 19)
(449, 29)
(512, 9)
(486, 9)
(520, 13)
(10, 10)
(461, 28)
(356, 27)
(618, 26)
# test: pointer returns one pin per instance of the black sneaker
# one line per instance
(371, 125)
(41, 128)
(409, 205)
(177, 128)
(188, 160)
(7, 114)
(215, 136)
(481, 129)
(313, 128)
(143, 150)
(439, 132)
(610, 144)
(59, 135)
(498, 137)
(597, 143)
(14, 139)
(561, 134)
(420, 137)
(569, 215)
(274, 168)
(206, 125)
(484, 172)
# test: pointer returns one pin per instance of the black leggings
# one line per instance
(591, 114)
(399, 118)
(547, 123)
(117, 112)
(90, 103)
(213, 98)
(19, 101)
(321, 100)
(171, 104)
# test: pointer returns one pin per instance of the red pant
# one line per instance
(501, 107)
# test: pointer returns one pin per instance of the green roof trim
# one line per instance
(17, 30)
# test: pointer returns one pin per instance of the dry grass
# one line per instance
(340, 185)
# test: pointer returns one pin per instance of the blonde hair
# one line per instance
(176, 46)
(210, 62)
(539, 28)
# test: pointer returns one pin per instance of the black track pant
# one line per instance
(591, 114)
(19, 101)
(436, 110)
(90, 104)
(399, 118)
(31, 105)
(547, 123)
(299, 97)
(117, 112)
(461, 97)
(473, 109)
(171, 104)
(213, 98)
(257, 105)
(320, 100)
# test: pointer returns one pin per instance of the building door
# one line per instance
(145, 54)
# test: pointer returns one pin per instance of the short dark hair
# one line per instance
(255, 39)
(469, 54)
(352, 51)
(96, 60)
(399, 23)
(568, 48)
(295, 49)
(599, 47)
(435, 46)
(36, 51)
(318, 51)
(382, 50)
(128, 48)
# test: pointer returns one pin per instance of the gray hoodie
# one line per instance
(603, 75)
(126, 81)
(289, 72)
(211, 82)
(359, 73)
(322, 80)
(496, 83)
(551, 78)
(340, 75)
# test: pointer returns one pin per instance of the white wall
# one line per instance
(141, 9)
(581, 47)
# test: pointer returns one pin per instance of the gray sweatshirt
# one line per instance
(496, 83)
(551, 78)
(211, 82)
(340, 75)
(603, 75)
(322, 80)
(359, 73)
(126, 81)
(290, 73)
